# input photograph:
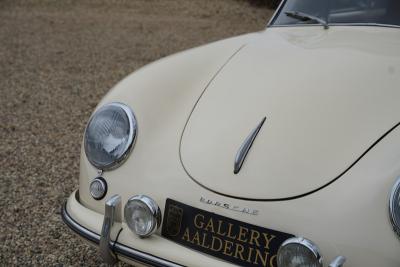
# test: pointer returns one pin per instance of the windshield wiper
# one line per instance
(306, 17)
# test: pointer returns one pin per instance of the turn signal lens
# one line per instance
(98, 188)
(299, 252)
(142, 215)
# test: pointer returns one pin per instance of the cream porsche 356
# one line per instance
(275, 148)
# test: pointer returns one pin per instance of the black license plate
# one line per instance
(231, 240)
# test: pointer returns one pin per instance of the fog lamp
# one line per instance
(299, 252)
(98, 188)
(142, 215)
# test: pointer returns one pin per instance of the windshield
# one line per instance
(340, 12)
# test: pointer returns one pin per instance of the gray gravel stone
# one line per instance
(57, 59)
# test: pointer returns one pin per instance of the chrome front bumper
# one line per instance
(111, 251)
(114, 249)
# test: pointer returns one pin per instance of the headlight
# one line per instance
(299, 252)
(394, 207)
(110, 135)
(142, 215)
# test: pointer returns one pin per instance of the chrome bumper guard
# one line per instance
(109, 249)
(112, 205)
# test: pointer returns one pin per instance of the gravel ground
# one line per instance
(57, 59)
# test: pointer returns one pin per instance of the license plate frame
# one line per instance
(229, 239)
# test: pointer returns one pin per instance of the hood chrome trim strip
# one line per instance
(245, 147)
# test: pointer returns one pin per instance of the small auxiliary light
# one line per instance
(98, 188)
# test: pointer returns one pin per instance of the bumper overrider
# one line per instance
(110, 250)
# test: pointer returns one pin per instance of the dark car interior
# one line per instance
(343, 11)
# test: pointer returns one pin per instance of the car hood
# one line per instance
(328, 96)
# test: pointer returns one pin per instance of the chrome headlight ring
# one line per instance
(110, 136)
(394, 207)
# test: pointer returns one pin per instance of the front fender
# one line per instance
(162, 95)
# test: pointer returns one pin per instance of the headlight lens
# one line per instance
(110, 135)
(299, 252)
(394, 207)
(142, 215)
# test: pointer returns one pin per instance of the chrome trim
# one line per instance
(120, 249)
(103, 184)
(77, 228)
(306, 243)
(131, 139)
(111, 206)
(338, 262)
(365, 24)
(337, 24)
(395, 193)
(153, 208)
(245, 147)
(276, 13)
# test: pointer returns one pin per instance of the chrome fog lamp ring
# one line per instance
(110, 135)
(98, 188)
(142, 215)
(299, 249)
(394, 207)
